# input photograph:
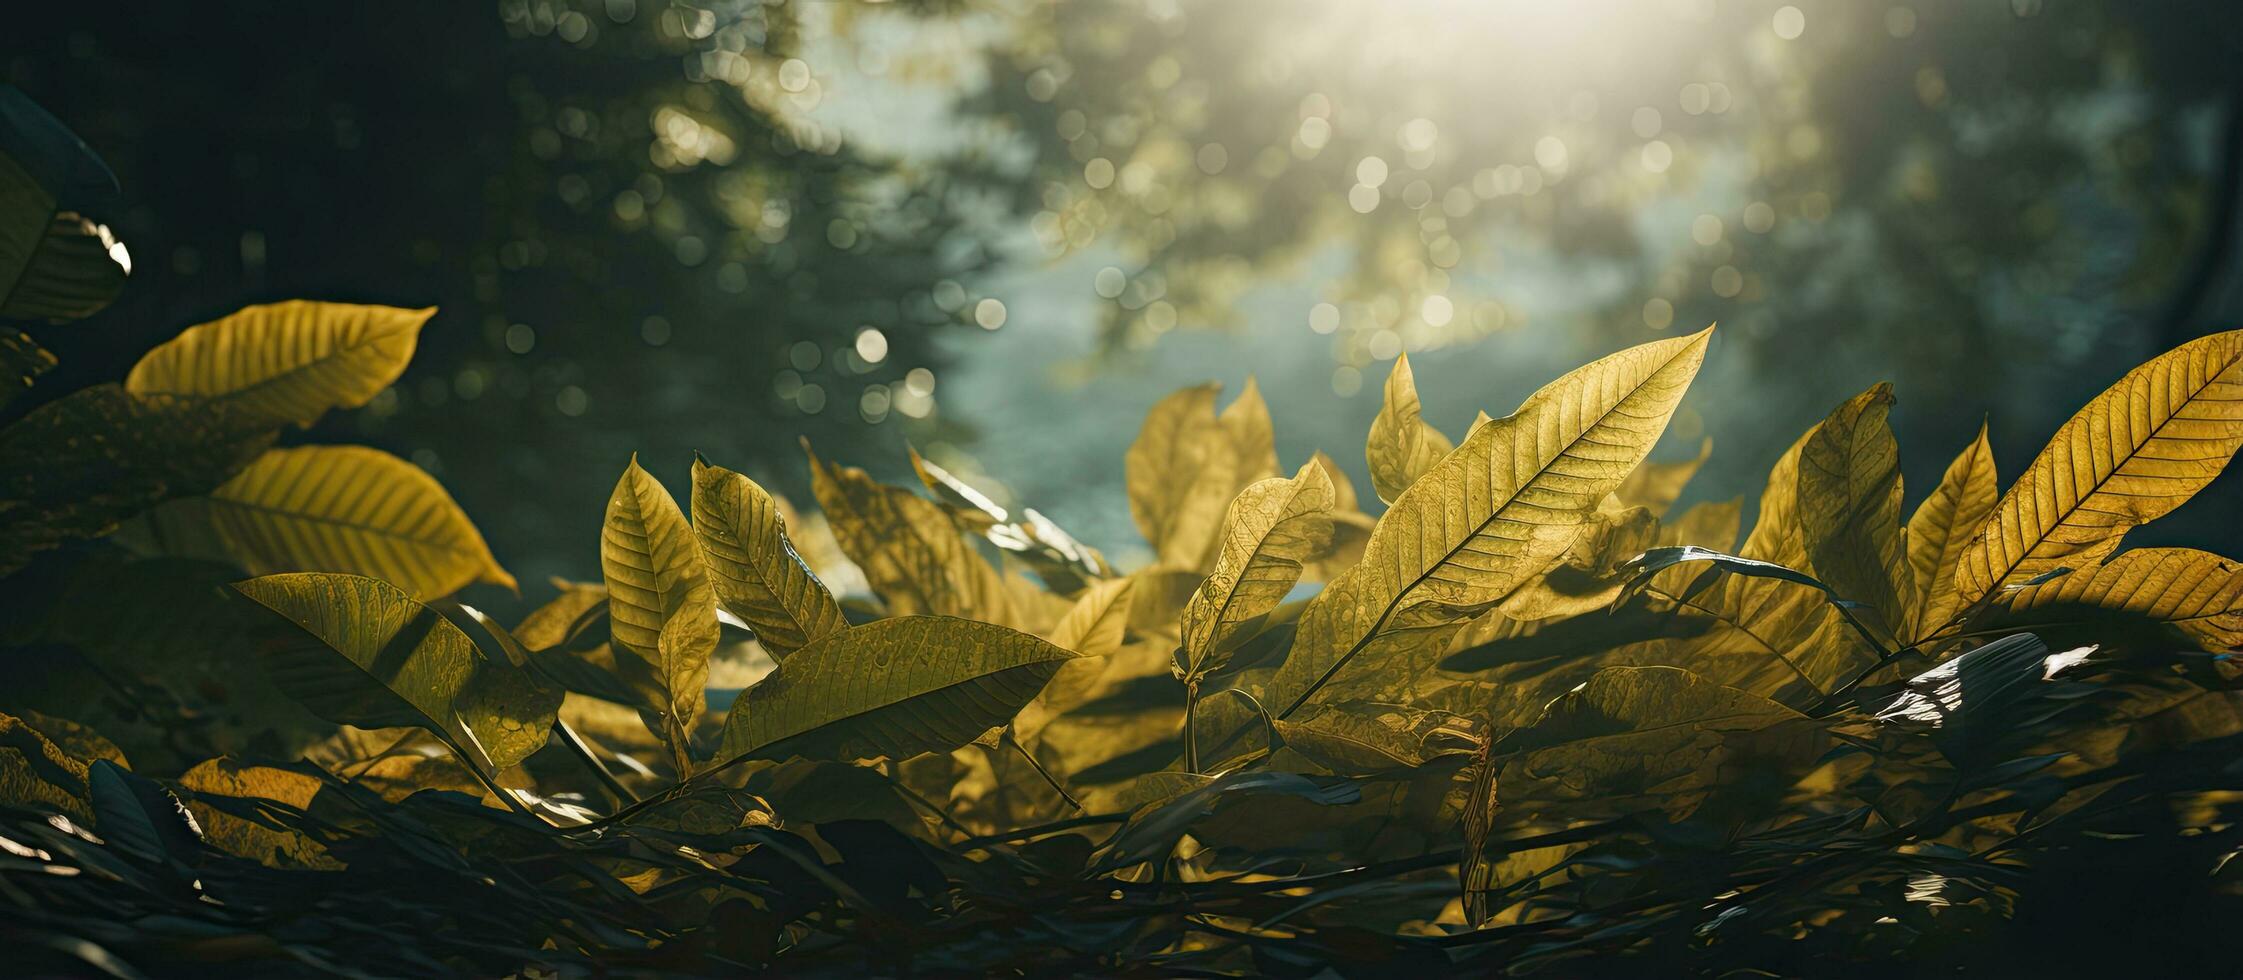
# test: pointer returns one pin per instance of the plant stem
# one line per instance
(583, 751)
(1040, 771)
(1191, 727)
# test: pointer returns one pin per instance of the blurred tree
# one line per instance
(638, 237)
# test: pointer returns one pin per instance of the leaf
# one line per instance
(1402, 446)
(54, 264)
(285, 362)
(661, 609)
(1942, 528)
(340, 509)
(22, 361)
(754, 568)
(244, 837)
(1712, 524)
(2137, 451)
(77, 466)
(1094, 629)
(1769, 639)
(893, 688)
(77, 269)
(1658, 736)
(1065, 564)
(1271, 529)
(1187, 463)
(1849, 509)
(2199, 592)
(1591, 572)
(1361, 738)
(1351, 528)
(912, 551)
(36, 773)
(369, 655)
(1497, 511)
(1643, 567)
(1656, 486)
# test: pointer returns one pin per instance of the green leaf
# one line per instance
(54, 263)
(756, 572)
(893, 688)
(369, 655)
(77, 466)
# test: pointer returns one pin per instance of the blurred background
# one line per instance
(1000, 229)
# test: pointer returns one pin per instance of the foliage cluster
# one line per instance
(1531, 714)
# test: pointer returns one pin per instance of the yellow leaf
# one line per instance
(1942, 528)
(661, 609)
(912, 551)
(287, 361)
(1402, 445)
(2137, 451)
(1497, 511)
(1095, 624)
(339, 509)
(893, 688)
(1270, 530)
(1711, 525)
(2199, 592)
(244, 837)
(1848, 504)
(753, 566)
(1186, 465)
(1093, 628)
(364, 653)
(1774, 639)
(1351, 528)
(34, 772)
(1587, 577)
(1656, 486)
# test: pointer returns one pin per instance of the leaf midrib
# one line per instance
(1395, 603)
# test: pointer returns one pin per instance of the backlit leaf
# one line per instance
(661, 609)
(1186, 465)
(1270, 530)
(912, 551)
(1656, 486)
(245, 837)
(369, 655)
(1849, 509)
(2197, 591)
(754, 568)
(1636, 736)
(1402, 445)
(287, 362)
(1495, 512)
(1943, 527)
(340, 509)
(2137, 451)
(892, 688)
